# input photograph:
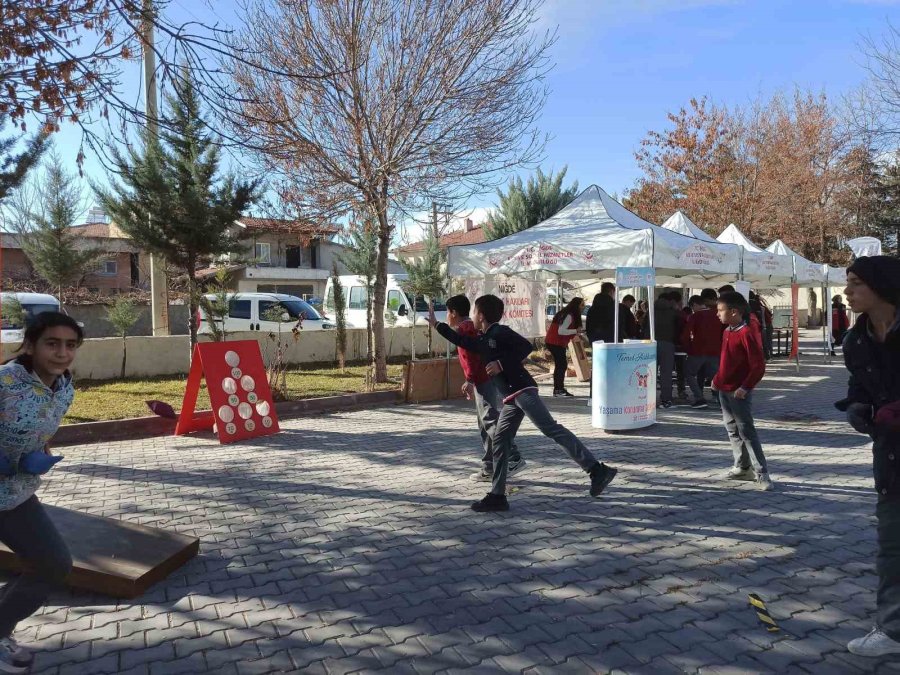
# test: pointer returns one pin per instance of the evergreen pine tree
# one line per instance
(359, 258)
(44, 226)
(15, 165)
(170, 197)
(426, 278)
(526, 205)
(887, 220)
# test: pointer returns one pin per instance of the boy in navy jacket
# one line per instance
(503, 351)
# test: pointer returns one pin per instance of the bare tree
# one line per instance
(382, 107)
(66, 60)
(874, 108)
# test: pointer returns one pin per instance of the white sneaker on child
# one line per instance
(876, 643)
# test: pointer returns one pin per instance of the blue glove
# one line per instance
(7, 468)
(37, 462)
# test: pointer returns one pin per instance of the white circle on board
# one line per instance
(232, 358)
(233, 400)
(267, 422)
(226, 413)
(250, 425)
(230, 428)
(229, 386)
(262, 408)
(236, 373)
(253, 398)
(245, 411)
(248, 383)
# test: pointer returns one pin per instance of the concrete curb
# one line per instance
(150, 427)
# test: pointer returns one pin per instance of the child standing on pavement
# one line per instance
(35, 392)
(564, 328)
(504, 351)
(478, 385)
(741, 367)
(702, 340)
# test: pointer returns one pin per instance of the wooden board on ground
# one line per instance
(113, 557)
(426, 380)
(580, 360)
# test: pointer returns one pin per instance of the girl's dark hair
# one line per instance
(573, 309)
(36, 326)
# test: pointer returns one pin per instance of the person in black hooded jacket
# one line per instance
(600, 321)
(872, 355)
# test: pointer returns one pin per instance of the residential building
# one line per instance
(285, 256)
(470, 234)
(122, 267)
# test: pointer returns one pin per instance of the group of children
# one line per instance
(492, 357)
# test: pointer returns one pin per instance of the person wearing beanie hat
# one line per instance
(872, 355)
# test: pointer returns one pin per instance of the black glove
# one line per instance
(860, 417)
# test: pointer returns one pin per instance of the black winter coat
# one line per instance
(875, 380)
(600, 320)
(499, 343)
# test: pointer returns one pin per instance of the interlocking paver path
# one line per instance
(346, 544)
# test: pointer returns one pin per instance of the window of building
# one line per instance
(109, 268)
(263, 253)
(239, 309)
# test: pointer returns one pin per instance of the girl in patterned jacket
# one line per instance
(35, 392)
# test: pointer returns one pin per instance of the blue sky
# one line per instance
(621, 65)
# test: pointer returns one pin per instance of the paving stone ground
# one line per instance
(345, 544)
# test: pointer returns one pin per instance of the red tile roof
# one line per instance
(283, 226)
(456, 238)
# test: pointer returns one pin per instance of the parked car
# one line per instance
(248, 312)
(397, 302)
(32, 305)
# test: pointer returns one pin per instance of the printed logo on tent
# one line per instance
(588, 256)
(701, 255)
(770, 262)
(542, 255)
(815, 271)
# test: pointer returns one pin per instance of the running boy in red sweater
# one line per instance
(478, 385)
(741, 367)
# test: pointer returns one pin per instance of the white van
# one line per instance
(248, 311)
(32, 305)
(397, 303)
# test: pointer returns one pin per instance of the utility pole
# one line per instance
(159, 291)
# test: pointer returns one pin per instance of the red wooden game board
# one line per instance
(242, 405)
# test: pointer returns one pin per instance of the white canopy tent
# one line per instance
(590, 238)
(763, 269)
(680, 223)
(806, 273)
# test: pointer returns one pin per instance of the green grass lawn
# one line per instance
(118, 399)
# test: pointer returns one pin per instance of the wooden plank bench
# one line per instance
(113, 557)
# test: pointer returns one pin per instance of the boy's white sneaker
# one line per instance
(737, 473)
(876, 643)
(764, 482)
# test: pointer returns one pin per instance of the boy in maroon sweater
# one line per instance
(741, 367)
(702, 340)
(478, 385)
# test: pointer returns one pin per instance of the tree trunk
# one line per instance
(124, 355)
(193, 302)
(370, 344)
(380, 291)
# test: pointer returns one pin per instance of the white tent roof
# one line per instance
(761, 268)
(680, 223)
(806, 272)
(590, 238)
(837, 276)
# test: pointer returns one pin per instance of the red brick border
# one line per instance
(149, 427)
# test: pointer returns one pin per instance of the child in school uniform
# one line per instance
(478, 385)
(741, 367)
(503, 352)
